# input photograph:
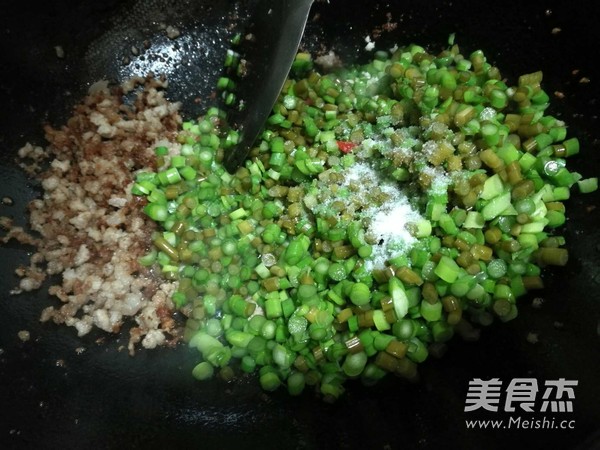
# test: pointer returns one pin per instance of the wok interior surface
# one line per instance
(53, 396)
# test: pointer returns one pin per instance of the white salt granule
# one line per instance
(388, 221)
(487, 113)
(440, 180)
(389, 228)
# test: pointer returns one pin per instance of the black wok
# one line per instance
(53, 397)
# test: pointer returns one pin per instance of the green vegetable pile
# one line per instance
(384, 208)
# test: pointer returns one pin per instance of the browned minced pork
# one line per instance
(88, 227)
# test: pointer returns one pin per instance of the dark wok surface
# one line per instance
(53, 397)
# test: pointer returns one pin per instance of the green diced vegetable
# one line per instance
(383, 208)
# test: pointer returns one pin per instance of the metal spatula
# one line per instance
(277, 27)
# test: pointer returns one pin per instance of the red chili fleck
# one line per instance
(345, 146)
